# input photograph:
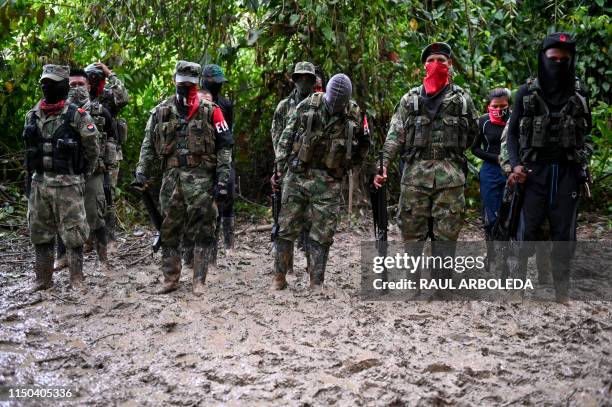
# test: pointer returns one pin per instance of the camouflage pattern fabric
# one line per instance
(57, 209)
(56, 204)
(284, 110)
(433, 178)
(187, 206)
(417, 204)
(311, 193)
(312, 197)
(95, 201)
(114, 96)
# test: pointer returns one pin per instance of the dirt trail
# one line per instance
(241, 344)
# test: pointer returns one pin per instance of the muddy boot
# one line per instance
(561, 279)
(102, 248)
(202, 254)
(317, 254)
(171, 267)
(228, 232)
(61, 260)
(283, 261)
(43, 267)
(75, 265)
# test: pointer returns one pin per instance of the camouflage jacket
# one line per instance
(281, 116)
(432, 148)
(83, 124)
(172, 142)
(334, 142)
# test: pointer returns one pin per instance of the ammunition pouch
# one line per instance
(122, 130)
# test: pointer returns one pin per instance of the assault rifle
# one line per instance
(378, 199)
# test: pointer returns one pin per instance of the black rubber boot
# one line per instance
(317, 254)
(75, 265)
(202, 255)
(227, 224)
(543, 262)
(171, 268)
(110, 220)
(283, 261)
(43, 267)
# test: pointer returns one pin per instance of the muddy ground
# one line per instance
(243, 345)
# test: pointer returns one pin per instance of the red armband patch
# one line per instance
(219, 121)
(81, 110)
(90, 127)
(366, 127)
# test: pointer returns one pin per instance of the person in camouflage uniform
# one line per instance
(431, 128)
(323, 139)
(107, 89)
(304, 79)
(188, 138)
(97, 186)
(61, 149)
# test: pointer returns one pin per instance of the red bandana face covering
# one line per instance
(52, 109)
(193, 100)
(436, 78)
(497, 116)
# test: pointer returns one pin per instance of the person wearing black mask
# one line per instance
(212, 81)
(61, 152)
(548, 147)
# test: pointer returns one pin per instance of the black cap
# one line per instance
(559, 40)
(441, 48)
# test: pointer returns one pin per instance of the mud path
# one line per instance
(243, 345)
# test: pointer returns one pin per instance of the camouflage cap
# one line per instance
(186, 71)
(440, 48)
(304, 68)
(55, 72)
(213, 73)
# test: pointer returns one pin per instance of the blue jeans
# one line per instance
(492, 182)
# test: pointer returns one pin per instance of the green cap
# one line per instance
(55, 72)
(302, 68)
(213, 73)
(186, 71)
(440, 48)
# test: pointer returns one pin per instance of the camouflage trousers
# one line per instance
(57, 210)
(313, 198)
(187, 206)
(95, 201)
(444, 206)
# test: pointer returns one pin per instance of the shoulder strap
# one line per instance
(315, 99)
(414, 97)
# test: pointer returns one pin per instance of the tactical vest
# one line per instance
(185, 143)
(323, 148)
(441, 137)
(541, 129)
(58, 153)
(95, 110)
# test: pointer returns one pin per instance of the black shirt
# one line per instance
(488, 142)
(227, 107)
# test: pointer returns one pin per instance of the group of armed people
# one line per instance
(318, 133)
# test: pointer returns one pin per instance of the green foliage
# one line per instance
(377, 43)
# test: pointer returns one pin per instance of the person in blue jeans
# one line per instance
(487, 147)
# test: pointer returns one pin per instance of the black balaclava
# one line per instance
(54, 91)
(182, 98)
(214, 88)
(557, 79)
(304, 84)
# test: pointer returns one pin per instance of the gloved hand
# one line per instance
(140, 181)
(221, 192)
